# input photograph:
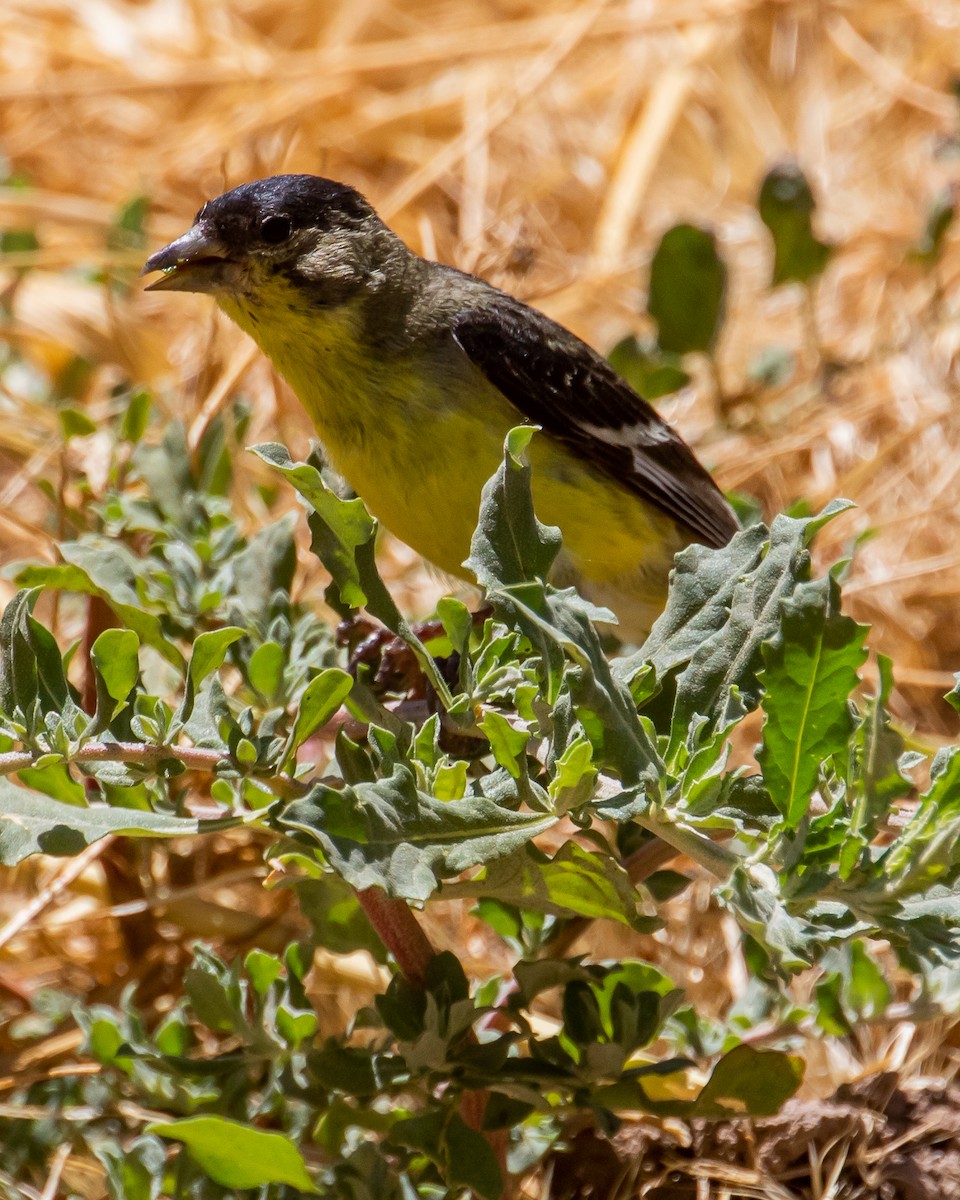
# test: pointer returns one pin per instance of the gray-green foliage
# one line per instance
(533, 727)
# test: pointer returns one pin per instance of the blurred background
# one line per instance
(547, 151)
(548, 148)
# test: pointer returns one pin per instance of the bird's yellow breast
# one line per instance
(417, 437)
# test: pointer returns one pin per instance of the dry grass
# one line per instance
(545, 147)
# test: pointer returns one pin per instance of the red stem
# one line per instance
(400, 933)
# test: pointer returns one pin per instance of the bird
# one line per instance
(413, 372)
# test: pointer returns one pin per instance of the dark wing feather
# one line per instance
(556, 381)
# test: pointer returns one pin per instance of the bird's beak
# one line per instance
(195, 262)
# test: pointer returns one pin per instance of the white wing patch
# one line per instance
(641, 433)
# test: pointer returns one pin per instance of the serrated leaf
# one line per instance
(876, 776)
(344, 539)
(31, 823)
(810, 669)
(723, 605)
(506, 742)
(388, 834)
(510, 546)
(760, 910)
(237, 1156)
(688, 284)
(786, 205)
(346, 523)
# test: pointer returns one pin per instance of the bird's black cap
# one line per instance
(267, 211)
(308, 201)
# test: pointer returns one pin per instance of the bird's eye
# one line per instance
(274, 230)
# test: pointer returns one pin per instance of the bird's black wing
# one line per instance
(559, 383)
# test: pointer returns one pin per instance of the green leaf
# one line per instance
(688, 284)
(207, 655)
(876, 780)
(751, 893)
(810, 669)
(136, 415)
(574, 883)
(99, 566)
(266, 668)
(723, 605)
(506, 742)
(237, 1156)
(263, 969)
(786, 205)
(339, 923)
(749, 1083)
(582, 1022)
(648, 370)
(54, 691)
(463, 1155)
(54, 781)
(940, 217)
(209, 651)
(31, 666)
(574, 776)
(457, 621)
(388, 834)
(265, 568)
(321, 698)
(35, 824)
(868, 992)
(18, 667)
(510, 546)
(345, 524)
(74, 423)
(470, 1160)
(344, 539)
(829, 1010)
(115, 658)
(129, 225)
(135, 1171)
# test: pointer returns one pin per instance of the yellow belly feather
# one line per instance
(418, 447)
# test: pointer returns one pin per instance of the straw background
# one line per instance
(545, 147)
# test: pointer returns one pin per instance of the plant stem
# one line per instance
(144, 754)
(400, 933)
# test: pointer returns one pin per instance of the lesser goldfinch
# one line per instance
(413, 372)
